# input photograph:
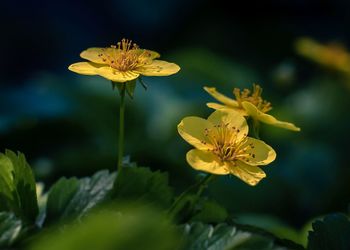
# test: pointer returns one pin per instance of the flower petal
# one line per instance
(214, 105)
(192, 130)
(115, 75)
(257, 152)
(217, 106)
(253, 111)
(233, 119)
(251, 175)
(91, 54)
(150, 54)
(84, 68)
(206, 161)
(221, 98)
(158, 68)
(154, 54)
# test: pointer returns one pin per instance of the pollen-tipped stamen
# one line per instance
(224, 140)
(242, 152)
(125, 56)
(253, 97)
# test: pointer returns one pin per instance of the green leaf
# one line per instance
(130, 88)
(183, 210)
(10, 228)
(209, 211)
(273, 225)
(333, 233)
(140, 183)
(191, 208)
(122, 227)
(60, 195)
(17, 187)
(231, 237)
(72, 198)
(143, 84)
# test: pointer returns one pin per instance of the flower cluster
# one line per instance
(222, 145)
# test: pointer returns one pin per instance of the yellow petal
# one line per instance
(158, 68)
(151, 54)
(217, 106)
(232, 118)
(206, 161)
(154, 54)
(91, 54)
(214, 105)
(220, 97)
(253, 111)
(192, 130)
(84, 68)
(259, 152)
(247, 173)
(115, 75)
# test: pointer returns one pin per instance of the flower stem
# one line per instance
(256, 128)
(204, 184)
(121, 127)
(199, 186)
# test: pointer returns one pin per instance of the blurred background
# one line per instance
(66, 124)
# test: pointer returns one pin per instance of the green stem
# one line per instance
(256, 128)
(121, 127)
(201, 185)
(204, 184)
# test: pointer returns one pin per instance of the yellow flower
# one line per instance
(122, 63)
(248, 104)
(333, 56)
(222, 146)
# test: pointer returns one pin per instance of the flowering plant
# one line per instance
(134, 207)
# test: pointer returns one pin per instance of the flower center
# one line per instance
(125, 56)
(254, 98)
(226, 145)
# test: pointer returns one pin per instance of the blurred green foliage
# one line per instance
(102, 212)
(124, 227)
(10, 228)
(330, 234)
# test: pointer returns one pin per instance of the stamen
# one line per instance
(125, 56)
(255, 98)
(224, 140)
